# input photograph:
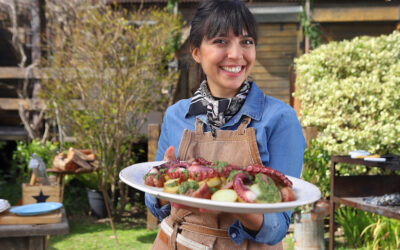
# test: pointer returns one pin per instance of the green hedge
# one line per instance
(350, 90)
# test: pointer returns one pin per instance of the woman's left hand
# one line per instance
(250, 221)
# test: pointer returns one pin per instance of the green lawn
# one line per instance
(87, 233)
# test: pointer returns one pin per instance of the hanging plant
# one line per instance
(311, 29)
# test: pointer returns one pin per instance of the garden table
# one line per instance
(61, 177)
(351, 190)
(31, 236)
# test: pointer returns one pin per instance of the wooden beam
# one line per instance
(9, 133)
(35, 73)
(276, 33)
(28, 104)
(277, 62)
(276, 40)
(356, 14)
(18, 73)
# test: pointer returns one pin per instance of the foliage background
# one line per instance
(350, 90)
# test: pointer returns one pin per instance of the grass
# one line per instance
(88, 233)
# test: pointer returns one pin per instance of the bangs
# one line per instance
(230, 16)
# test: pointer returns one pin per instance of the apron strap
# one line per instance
(178, 219)
(209, 231)
(199, 127)
(243, 125)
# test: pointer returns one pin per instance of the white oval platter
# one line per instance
(306, 193)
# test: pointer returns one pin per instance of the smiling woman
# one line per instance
(224, 41)
(227, 61)
(228, 119)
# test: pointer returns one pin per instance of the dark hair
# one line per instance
(216, 17)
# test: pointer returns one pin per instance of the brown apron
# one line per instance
(183, 229)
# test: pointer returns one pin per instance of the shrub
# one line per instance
(350, 90)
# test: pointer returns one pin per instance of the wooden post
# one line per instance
(153, 131)
(309, 134)
(294, 102)
(307, 39)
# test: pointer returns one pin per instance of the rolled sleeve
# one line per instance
(272, 231)
(152, 204)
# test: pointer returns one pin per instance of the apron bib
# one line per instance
(183, 229)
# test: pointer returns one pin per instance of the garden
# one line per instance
(107, 68)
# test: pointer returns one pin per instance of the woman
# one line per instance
(228, 119)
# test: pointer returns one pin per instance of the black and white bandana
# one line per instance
(218, 110)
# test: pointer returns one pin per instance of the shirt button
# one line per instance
(233, 235)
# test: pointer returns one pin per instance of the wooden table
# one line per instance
(61, 177)
(31, 236)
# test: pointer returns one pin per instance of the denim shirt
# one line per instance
(280, 143)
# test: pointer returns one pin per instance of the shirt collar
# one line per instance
(252, 107)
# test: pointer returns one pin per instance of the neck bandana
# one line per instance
(218, 110)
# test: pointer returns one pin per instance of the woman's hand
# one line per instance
(169, 154)
(250, 221)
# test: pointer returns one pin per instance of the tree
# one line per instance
(107, 69)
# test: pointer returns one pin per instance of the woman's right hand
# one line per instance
(169, 154)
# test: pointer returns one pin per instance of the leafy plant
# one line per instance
(11, 191)
(310, 29)
(363, 229)
(75, 197)
(107, 69)
(383, 233)
(350, 90)
(22, 154)
(316, 163)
